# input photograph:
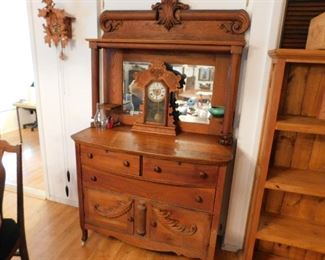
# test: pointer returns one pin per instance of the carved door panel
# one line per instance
(109, 209)
(179, 227)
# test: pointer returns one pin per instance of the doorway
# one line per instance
(17, 86)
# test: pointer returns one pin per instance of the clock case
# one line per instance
(171, 83)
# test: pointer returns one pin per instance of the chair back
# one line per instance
(17, 149)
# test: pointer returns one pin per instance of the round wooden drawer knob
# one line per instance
(157, 169)
(154, 224)
(203, 175)
(90, 155)
(198, 199)
(126, 163)
(93, 178)
(130, 219)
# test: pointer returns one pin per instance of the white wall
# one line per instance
(64, 94)
(64, 97)
(266, 19)
(15, 63)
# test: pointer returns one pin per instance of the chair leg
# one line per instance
(23, 249)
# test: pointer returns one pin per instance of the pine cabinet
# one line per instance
(287, 210)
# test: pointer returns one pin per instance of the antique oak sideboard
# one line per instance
(156, 191)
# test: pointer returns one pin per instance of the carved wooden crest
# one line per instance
(167, 12)
(58, 25)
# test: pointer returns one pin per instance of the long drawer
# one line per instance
(105, 160)
(180, 173)
(198, 198)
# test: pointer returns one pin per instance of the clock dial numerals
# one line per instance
(156, 92)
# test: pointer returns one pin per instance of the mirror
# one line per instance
(132, 96)
(194, 100)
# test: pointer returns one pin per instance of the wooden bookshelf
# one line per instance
(301, 124)
(292, 232)
(298, 181)
(290, 172)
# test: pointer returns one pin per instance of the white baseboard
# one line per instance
(231, 248)
(64, 201)
(31, 192)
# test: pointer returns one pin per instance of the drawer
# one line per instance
(109, 210)
(105, 160)
(180, 173)
(198, 198)
(179, 227)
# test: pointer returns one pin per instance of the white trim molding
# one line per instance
(266, 23)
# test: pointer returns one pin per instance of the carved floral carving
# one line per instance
(164, 217)
(167, 12)
(121, 209)
(58, 25)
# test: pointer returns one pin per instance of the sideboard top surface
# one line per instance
(185, 147)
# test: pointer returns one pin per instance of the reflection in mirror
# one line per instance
(132, 95)
(194, 100)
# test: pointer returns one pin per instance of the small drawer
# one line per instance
(189, 197)
(105, 160)
(180, 173)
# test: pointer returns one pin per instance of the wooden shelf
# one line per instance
(292, 232)
(301, 124)
(298, 181)
(264, 256)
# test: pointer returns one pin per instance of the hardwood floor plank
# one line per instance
(32, 159)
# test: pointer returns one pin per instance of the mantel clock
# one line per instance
(159, 114)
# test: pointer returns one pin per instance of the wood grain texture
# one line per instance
(185, 147)
(301, 125)
(297, 181)
(283, 230)
(295, 167)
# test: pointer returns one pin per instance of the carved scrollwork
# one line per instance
(164, 217)
(167, 12)
(239, 23)
(121, 209)
(108, 25)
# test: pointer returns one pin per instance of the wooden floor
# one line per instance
(32, 160)
(53, 232)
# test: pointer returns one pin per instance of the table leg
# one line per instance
(19, 127)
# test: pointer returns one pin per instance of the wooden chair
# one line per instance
(12, 233)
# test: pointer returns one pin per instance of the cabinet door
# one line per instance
(109, 210)
(179, 227)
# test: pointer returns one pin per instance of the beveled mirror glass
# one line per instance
(194, 100)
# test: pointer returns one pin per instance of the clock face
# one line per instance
(156, 92)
